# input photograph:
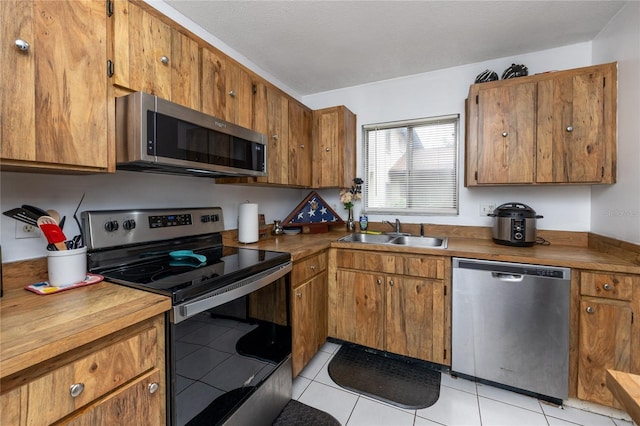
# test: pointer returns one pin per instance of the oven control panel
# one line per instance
(111, 228)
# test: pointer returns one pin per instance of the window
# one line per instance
(411, 166)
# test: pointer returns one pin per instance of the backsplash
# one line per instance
(126, 190)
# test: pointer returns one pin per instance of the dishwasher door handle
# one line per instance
(514, 278)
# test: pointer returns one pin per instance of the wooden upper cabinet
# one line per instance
(151, 56)
(271, 118)
(300, 149)
(506, 127)
(552, 128)
(334, 147)
(53, 108)
(573, 128)
(227, 89)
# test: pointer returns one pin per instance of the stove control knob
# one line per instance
(111, 226)
(129, 224)
(204, 218)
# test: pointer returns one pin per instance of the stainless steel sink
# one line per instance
(367, 238)
(400, 240)
(413, 241)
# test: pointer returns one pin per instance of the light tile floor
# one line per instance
(461, 403)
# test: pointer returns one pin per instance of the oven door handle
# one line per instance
(231, 292)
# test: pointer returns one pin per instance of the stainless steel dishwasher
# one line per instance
(510, 326)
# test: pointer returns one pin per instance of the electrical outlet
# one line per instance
(24, 230)
(487, 208)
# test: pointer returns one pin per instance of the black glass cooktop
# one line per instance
(187, 278)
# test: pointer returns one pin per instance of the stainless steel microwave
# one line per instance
(158, 136)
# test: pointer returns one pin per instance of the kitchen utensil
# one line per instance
(54, 214)
(22, 215)
(52, 232)
(514, 224)
(61, 222)
(35, 210)
(183, 254)
(75, 217)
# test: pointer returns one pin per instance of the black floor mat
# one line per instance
(298, 414)
(403, 382)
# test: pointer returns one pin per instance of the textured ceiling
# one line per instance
(317, 46)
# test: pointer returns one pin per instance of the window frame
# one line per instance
(407, 125)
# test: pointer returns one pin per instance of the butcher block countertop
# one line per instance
(35, 328)
(303, 245)
(625, 387)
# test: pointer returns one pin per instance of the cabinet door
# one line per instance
(571, 128)
(142, 51)
(309, 319)
(506, 134)
(360, 308)
(185, 71)
(415, 309)
(227, 89)
(334, 154)
(17, 71)
(605, 342)
(48, 116)
(272, 118)
(300, 120)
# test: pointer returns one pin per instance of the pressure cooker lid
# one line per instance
(515, 210)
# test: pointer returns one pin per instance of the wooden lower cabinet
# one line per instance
(399, 304)
(134, 404)
(609, 337)
(119, 379)
(308, 309)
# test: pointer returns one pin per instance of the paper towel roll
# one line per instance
(248, 223)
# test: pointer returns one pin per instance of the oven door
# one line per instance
(231, 363)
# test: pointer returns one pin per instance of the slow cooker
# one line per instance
(514, 224)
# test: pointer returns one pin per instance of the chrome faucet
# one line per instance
(396, 226)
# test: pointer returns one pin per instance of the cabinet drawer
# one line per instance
(49, 397)
(366, 261)
(610, 286)
(308, 267)
(420, 266)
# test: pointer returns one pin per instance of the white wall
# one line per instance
(615, 209)
(125, 190)
(443, 92)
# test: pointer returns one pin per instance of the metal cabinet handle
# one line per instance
(164, 59)
(76, 389)
(153, 387)
(569, 128)
(275, 137)
(302, 146)
(327, 149)
(298, 295)
(22, 45)
(312, 267)
(379, 281)
(590, 310)
(232, 93)
(391, 283)
(505, 134)
(607, 286)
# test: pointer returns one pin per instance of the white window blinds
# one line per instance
(411, 166)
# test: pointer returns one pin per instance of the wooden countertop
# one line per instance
(625, 387)
(35, 328)
(303, 245)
